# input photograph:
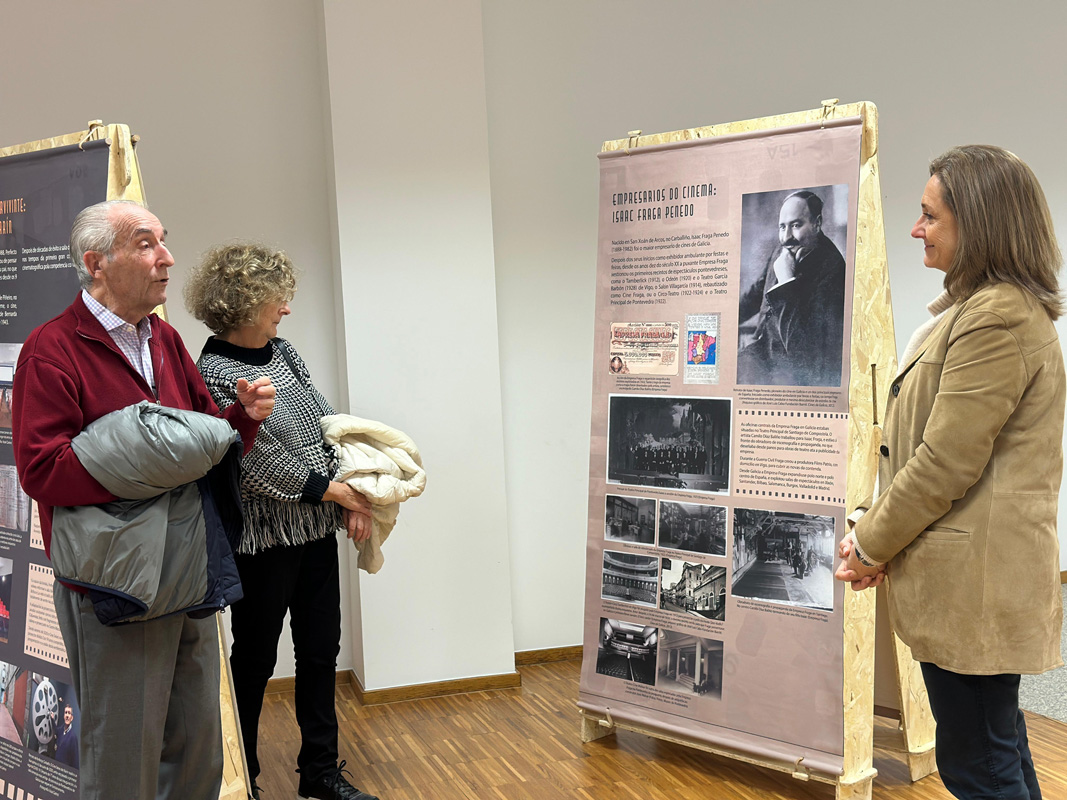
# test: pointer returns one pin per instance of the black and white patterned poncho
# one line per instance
(288, 469)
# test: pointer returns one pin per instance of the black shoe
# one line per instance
(331, 786)
(255, 794)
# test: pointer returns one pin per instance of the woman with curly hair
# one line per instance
(287, 558)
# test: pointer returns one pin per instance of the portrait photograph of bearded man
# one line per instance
(792, 307)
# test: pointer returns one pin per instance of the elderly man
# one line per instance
(800, 303)
(148, 691)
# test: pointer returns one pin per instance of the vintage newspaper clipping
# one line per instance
(717, 481)
(644, 348)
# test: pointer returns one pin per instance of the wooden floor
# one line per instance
(523, 744)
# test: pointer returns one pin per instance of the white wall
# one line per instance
(564, 76)
(228, 101)
(411, 168)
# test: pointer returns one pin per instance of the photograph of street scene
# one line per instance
(784, 557)
(627, 650)
(692, 527)
(630, 519)
(689, 664)
(696, 589)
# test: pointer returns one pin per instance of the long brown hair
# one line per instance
(1005, 227)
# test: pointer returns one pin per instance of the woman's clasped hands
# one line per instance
(853, 571)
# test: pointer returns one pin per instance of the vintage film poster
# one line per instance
(40, 194)
(701, 348)
(716, 493)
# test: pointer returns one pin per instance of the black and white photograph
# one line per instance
(14, 503)
(689, 664)
(791, 312)
(627, 650)
(692, 527)
(630, 578)
(630, 519)
(691, 588)
(783, 557)
(680, 443)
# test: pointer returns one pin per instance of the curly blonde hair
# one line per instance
(234, 281)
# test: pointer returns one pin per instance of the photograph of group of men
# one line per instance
(672, 442)
(671, 457)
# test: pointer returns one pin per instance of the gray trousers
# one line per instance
(149, 699)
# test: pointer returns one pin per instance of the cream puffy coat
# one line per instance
(971, 465)
(381, 463)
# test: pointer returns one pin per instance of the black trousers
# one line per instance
(981, 747)
(303, 580)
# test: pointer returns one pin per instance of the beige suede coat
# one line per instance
(970, 469)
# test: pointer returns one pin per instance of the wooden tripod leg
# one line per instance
(916, 719)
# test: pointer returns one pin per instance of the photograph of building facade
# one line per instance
(627, 651)
(630, 578)
(630, 519)
(689, 664)
(689, 588)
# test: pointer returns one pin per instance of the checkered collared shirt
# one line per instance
(131, 339)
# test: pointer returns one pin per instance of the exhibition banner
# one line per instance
(40, 194)
(719, 439)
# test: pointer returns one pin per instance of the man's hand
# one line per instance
(853, 571)
(257, 398)
(785, 266)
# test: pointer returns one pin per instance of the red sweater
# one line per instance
(70, 372)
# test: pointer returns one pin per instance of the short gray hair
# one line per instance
(93, 231)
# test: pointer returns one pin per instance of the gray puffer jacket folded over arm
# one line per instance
(161, 549)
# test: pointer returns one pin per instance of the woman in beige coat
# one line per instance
(963, 530)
